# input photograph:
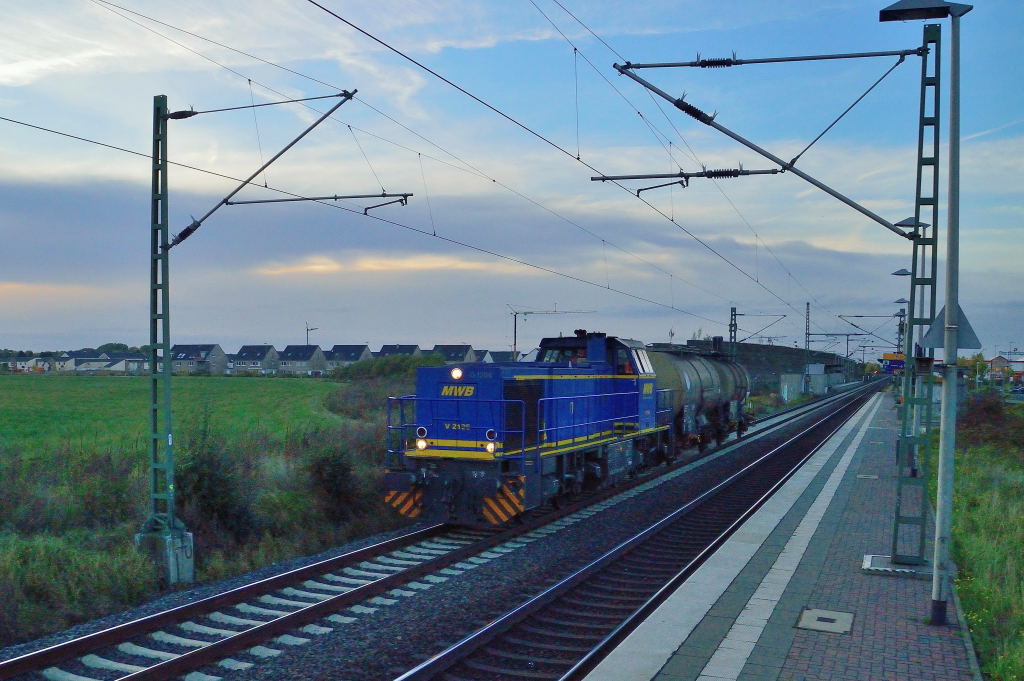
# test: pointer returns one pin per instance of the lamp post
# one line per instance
(938, 9)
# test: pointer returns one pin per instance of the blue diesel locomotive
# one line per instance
(480, 444)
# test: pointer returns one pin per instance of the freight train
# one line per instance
(481, 444)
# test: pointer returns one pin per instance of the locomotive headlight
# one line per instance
(421, 444)
(456, 373)
(491, 434)
(489, 447)
(421, 432)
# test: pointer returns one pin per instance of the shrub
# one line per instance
(988, 539)
(986, 418)
(213, 488)
(339, 463)
(762, 405)
(363, 399)
(48, 583)
(395, 365)
(76, 489)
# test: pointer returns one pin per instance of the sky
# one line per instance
(497, 131)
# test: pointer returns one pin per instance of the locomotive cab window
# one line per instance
(624, 363)
(643, 362)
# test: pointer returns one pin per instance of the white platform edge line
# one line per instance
(645, 651)
(726, 656)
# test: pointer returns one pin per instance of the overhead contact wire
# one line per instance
(367, 159)
(670, 218)
(469, 168)
(541, 137)
(255, 122)
(395, 223)
(692, 153)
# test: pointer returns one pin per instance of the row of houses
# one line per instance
(263, 360)
(77, 361)
(311, 360)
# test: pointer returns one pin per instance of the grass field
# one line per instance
(43, 412)
(988, 531)
(266, 469)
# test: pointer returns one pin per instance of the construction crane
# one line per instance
(516, 313)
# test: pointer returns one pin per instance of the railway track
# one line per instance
(236, 629)
(563, 632)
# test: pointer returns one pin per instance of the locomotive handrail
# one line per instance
(588, 402)
(398, 431)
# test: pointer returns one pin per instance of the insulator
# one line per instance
(719, 63)
(691, 110)
(722, 173)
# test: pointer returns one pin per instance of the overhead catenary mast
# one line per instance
(516, 313)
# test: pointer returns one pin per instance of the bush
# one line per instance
(988, 539)
(363, 399)
(396, 365)
(986, 418)
(763, 405)
(48, 583)
(76, 489)
(339, 464)
(214, 489)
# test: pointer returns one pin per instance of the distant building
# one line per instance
(1005, 366)
(29, 364)
(198, 359)
(455, 354)
(500, 356)
(257, 359)
(303, 359)
(69, 360)
(392, 350)
(129, 363)
(343, 355)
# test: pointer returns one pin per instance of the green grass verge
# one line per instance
(267, 469)
(77, 412)
(988, 532)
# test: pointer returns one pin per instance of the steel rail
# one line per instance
(444, 660)
(617, 635)
(217, 650)
(62, 651)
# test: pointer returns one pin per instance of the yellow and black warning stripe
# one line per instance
(408, 503)
(509, 502)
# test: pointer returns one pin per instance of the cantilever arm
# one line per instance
(709, 120)
(188, 231)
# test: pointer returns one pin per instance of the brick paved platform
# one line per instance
(737, 617)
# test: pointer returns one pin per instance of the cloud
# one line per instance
(323, 264)
(20, 294)
(25, 71)
(990, 131)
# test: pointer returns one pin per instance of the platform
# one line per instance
(787, 597)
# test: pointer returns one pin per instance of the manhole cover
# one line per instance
(825, 620)
(868, 477)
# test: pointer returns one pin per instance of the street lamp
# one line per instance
(939, 9)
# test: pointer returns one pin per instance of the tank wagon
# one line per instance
(480, 444)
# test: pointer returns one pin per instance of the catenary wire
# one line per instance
(551, 143)
(105, 4)
(664, 141)
(394, 223)
(693, 155)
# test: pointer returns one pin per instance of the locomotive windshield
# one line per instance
(562, 354)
